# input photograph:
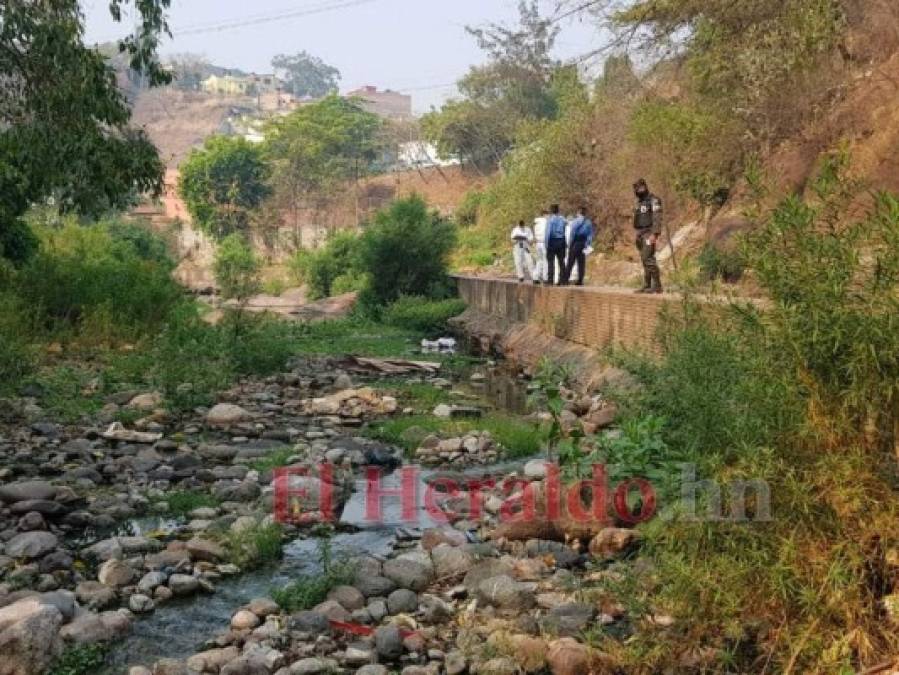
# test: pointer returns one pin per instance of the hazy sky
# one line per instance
(416, 46)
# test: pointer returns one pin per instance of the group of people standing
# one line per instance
(561, 244)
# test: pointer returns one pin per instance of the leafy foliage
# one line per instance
(236, 268)
(80, 660)
(63, 123)
(515, 85)
(317, 148)
(321, 268)
(222, 183)
(254, 547)
(405, 251)
(308, 591)
(306, 75)
(420, 314)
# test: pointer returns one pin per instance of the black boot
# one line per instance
(656, 282)
(647, 283)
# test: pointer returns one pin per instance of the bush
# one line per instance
(310, 590)
(182, 502)
(80, 660)
(236, 268)
(420, 314)
(405, 251)
(257, 344)
(466, 213)
(16, 352)
(192, 361)
(255, 547)
(321, 269)
(84, 273)
(719, 263)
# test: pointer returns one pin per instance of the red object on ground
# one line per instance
(359, 629)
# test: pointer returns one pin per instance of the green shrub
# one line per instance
(80, 660)
(321, 268)
(192, 360)
(466, 213)
(308, 591)
(17, 356)
(83, 272)
(236, 268)
(182, 502)
(258, 344)
(405, 251)
(423, 315)
(255, 547)
(718, 263)
(349, 282)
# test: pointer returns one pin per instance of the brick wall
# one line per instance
(594, 317)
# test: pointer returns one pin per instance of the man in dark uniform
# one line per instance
(648, 224)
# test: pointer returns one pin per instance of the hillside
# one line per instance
(179, 120)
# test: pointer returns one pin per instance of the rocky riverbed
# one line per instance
(102, 543)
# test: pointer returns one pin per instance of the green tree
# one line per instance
(405, 251)
(222, 183)
(306, 75)
(236, 269)
(63, 123)
(319, 147)
(514, 86)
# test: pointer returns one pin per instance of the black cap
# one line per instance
(641, 182)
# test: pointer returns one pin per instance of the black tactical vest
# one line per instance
(643, 213)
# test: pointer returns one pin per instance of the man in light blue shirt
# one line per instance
(555, 244)
(581, 240)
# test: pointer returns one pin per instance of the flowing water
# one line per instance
(179, 628)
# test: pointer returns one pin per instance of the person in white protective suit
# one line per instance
(522, 238)
(541, 273)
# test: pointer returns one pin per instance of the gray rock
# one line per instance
(42, 506)
(116, 573)
(372, 669)
(151, 580)
(205, 550)
(226, 415)
(313, 666)
(536, 468)
(90, 628)
(455, 663)
(64, 601)
(377, 610)
(310, 622)
(402, 601)
(506, 593)
(106, 549)
(349, 597)
(484, 570)
(183, 584)
(94, 595)
(434, 609)
(141, 604)
(29, 637)
(32, 521)
(389, 642)
(212, 660)
(333, 610)
(375, 586)
(31, 545)
(27, 490)
(357, 654)
(408, 574)
(568, 620)
(451, 560)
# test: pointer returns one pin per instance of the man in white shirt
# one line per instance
(541, 273)
(522, 237)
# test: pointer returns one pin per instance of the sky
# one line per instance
(419, 47)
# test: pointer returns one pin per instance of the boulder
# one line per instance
(183, 584)
(90, 628)
(310, 622)
(567, 656)
(146, 402)
(568, 620)
(451, 561)
(244, 620)
(226, 415)
(614, 541)
(29, 637)
(350, 597)
(402, 601)
(27, 490)
(141, 604)
(314, 666)
(205, 550)
(506, 593)
(407, 573)
(212, 660)
(31, 544)
(116, 573)
(389, 642)
(94, 595)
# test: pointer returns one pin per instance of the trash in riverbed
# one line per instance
(117, 432)
(445, 344)
(389, 366)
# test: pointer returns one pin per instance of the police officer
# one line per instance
(556, 244)
(648, 224)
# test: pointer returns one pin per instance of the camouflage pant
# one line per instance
(652, 276)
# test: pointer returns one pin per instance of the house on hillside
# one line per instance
(242, 85)
(388, 104)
